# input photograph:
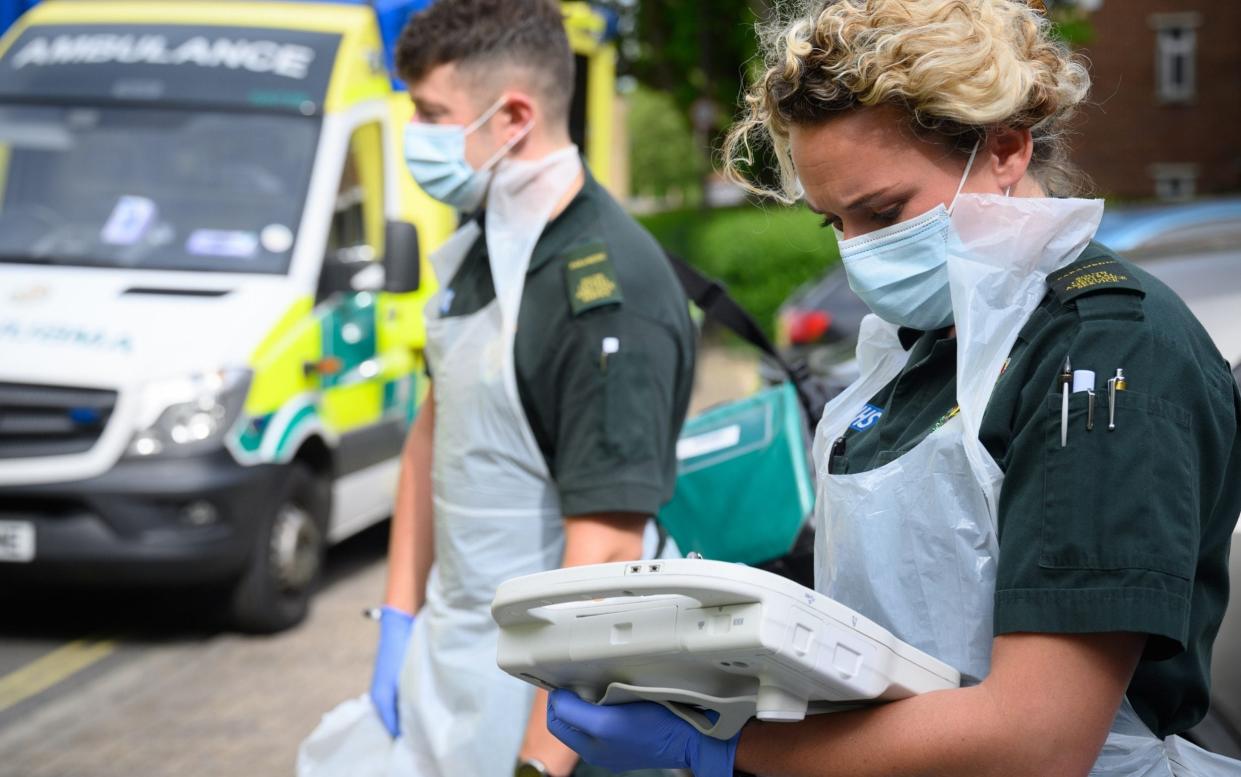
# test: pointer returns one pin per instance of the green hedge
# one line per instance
(760, 253)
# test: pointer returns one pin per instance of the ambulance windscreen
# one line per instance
(149, 188)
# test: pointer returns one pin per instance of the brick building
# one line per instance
(1164, 118)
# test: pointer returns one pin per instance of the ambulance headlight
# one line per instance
(190, 415)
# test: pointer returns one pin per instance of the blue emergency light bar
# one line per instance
(11, 11)
(392, 16)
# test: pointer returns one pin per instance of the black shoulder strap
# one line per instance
(715, 302)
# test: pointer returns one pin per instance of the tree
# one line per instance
(691, 49)
(701, 48)
(663, 159)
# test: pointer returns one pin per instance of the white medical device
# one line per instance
(699, 635)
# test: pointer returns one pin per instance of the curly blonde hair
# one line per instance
(956, 67)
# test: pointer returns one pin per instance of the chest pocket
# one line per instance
(888, 456)
(1120, 499)
(627, 394)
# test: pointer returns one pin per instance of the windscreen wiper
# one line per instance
(59, 261)
(27, 259)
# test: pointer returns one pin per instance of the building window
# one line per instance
(1176, 48)
(1175, 181)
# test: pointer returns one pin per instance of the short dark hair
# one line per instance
(489, 35)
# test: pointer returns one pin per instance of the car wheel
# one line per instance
(286, 562)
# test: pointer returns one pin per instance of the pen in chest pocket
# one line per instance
(1114, 384)
(609, 346)
(1083, 380)
(1066, 379)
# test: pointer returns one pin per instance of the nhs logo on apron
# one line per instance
(869, 416)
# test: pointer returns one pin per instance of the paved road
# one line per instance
(105, 685)
(144, 690)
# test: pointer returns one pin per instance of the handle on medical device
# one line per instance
(517, 599)
(709, 583)
(688, 705)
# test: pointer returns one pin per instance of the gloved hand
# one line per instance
(643, 735)
(395, 626)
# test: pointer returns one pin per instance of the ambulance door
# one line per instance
(360, 401)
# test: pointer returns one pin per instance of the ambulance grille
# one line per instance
(51, 420)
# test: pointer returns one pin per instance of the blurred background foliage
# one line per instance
(684, 66)
(666, 164)
(760, 254)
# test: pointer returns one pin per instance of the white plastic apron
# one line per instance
(912, 545)
(497, 514)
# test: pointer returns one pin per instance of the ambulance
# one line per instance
(212, 271)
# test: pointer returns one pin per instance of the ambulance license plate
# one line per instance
(16, 541)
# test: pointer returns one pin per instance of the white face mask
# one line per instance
(435, 156)
(901, 271)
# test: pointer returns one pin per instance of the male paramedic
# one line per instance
(561, 355)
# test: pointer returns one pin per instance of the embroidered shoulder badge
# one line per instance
(1102, 274)
(591, 279)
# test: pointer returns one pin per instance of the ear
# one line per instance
(1009, 151)
(512, 119)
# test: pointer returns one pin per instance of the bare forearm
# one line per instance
(927, 735)
(600, 539)
(540, 745)
(1025, 719)
(411, 541)
(588, 540)
(424, 524)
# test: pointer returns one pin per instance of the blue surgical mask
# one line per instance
(901, 271)
(435, 156)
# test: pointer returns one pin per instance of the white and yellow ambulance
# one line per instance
(212, 268)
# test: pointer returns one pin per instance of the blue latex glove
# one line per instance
(643, 735)
(395, 626)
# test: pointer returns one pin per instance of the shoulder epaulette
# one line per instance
(590, 278)
(1097, 273)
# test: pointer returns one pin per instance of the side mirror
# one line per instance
(369, 278)
(402, 259)
(339, 268)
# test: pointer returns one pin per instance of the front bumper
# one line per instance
(190, 520)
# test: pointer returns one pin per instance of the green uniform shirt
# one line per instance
(607, 424)
(1124, 530)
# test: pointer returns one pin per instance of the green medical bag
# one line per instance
(744, 487)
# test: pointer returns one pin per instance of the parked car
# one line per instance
(817, 326)
(1221, 730)
(1195, 248)
(1208, 278)
(213, 265)
(1161, 230)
